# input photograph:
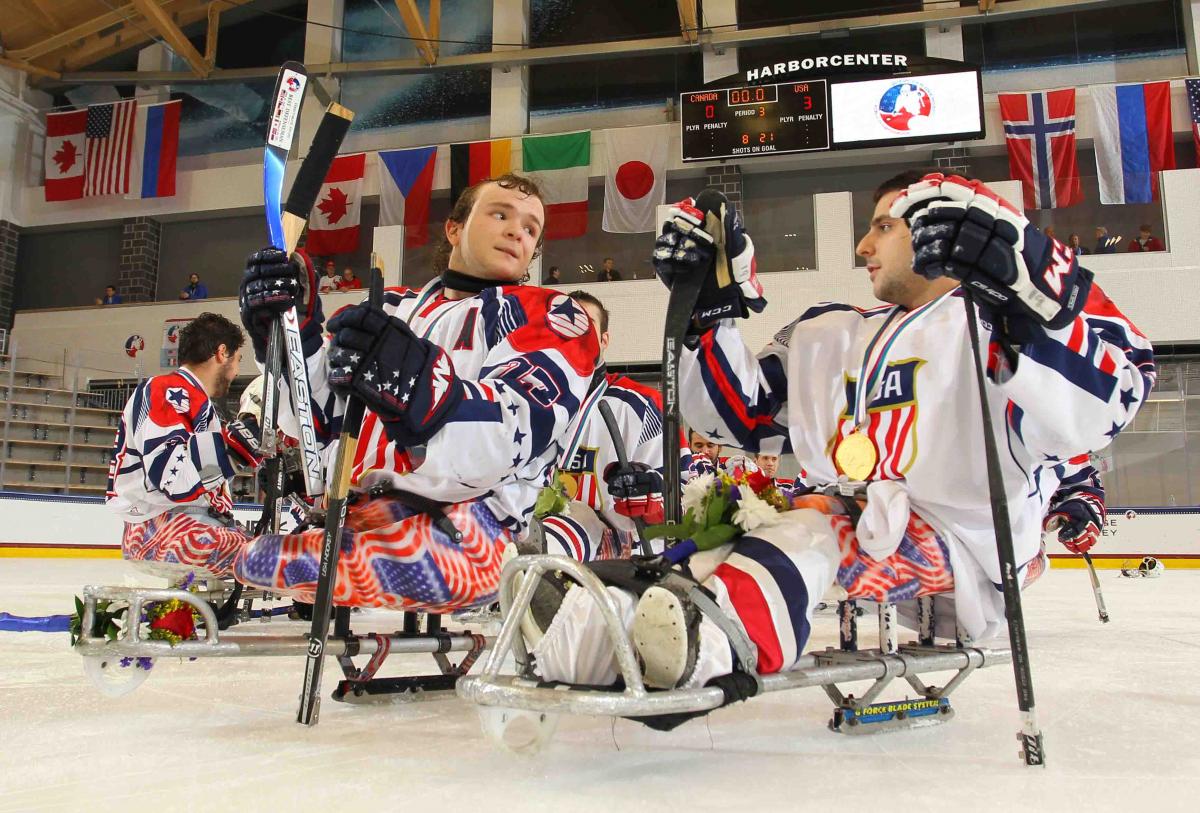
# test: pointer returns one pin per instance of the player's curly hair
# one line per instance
(200, 338)
(466, 202)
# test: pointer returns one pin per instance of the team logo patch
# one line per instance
(904, 107)
(177, 397)
(173, 334)
(133, 345)
(565, 318)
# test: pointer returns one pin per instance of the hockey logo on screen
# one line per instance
(905, 106)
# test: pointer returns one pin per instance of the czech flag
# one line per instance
(477, 161)
(155, 148)
(1133, 140)
(405, 186)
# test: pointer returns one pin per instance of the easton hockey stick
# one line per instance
(1030, 735)
(614, 431)
(1101, 610)
(335, 521)
(684, 293)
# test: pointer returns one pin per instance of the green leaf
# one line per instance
(714, 514)
(715, 536)
(79, 606)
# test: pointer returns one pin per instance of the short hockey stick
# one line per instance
(618, 440)
(1030, 735)
(1101, 610)
(335, 521)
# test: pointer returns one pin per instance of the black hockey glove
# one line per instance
(636, 489)
(409, 382)
(272, 283)
(241, 442)
(962, 229)
(685, 248)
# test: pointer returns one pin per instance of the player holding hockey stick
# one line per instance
(173, 460)
(849, 392)
(606, 499)
(470, 384)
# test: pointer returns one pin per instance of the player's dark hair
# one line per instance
(200, 338)
(584, 296)
(906, 179)
(466, 202)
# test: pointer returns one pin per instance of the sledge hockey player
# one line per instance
(850, 392)
(470, 384)
(605, 499)
(1076, 511)
(172, 460)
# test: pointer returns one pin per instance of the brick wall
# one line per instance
(9, 232)
(140, 241)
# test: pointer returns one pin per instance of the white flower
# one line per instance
(753, 511)
(695, 490)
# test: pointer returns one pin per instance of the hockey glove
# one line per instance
(272, 284)
(241, 442)
(409, 382)
(685, 248)
(962, 229)
(636, 490)
(1078, 521)
(701, 464)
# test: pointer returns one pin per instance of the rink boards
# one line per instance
(51, 525)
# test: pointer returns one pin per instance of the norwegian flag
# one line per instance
(109, 148)
(1040, 130)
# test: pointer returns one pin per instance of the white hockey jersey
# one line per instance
(169, 453)
(525, 357)
(1070, 394)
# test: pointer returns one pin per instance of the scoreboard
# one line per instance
(806, 115)
(755, 120)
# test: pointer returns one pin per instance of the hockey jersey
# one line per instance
(169, 453)
(524, 357)
(1063, 396)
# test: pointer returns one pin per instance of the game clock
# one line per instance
(755, 120)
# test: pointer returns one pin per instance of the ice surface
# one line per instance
(1119, 703)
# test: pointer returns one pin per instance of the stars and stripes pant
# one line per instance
(172, 543)
(391, 555)
(582, 535)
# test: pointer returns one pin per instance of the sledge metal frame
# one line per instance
(826, 669)
(343, 644)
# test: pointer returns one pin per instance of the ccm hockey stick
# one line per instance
(335, 521)
(1030, 735)
(680, 307)
(614, 431)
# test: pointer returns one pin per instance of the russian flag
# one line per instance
(155, 148)
(1133, 140)
(405, 186)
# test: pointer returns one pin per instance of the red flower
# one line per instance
(177, 622)
(757, 481)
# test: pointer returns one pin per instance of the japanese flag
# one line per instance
(635, 182)
(333, 222)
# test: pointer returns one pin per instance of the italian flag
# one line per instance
(559, 164)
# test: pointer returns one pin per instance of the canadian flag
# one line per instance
(65, 154)
(333, 222)
(635, 183)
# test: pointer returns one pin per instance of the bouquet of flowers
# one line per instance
(718, 507)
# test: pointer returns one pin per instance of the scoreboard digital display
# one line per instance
(755, 120)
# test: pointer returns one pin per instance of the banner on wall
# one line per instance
(636, 181)
(169, 357)
(65, 148)
(474, 161)
(109, 148)
(1133, 140)
(1039, 130)
(333, 223)
(559, 164)
(155, 149)
(405, 187)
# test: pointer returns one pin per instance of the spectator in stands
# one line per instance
(349, 281)
(1049, 232)
(1104, 243)
(1073, 242)
(607, 272)
(1146, 241)
(111, 297)
(552, 277)
(330, 281)
(195, 289)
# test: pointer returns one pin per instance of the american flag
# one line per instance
(1193, 94)
(109, 148)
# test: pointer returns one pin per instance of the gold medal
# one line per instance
(856, 456)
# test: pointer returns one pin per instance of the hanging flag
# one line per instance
(1193, 96)
(1133, 140)
(155, 148)
(636, 180)
(65, 154)
(559, 164)
(109, 148)
(405, 184)
(1039, 129)
(476, 161)
(333, 222)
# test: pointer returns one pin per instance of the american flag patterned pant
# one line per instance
(390, 556)
(171, 543)
(583, 536)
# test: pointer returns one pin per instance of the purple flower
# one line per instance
(735, 493)
(145, 663)
(125, 662)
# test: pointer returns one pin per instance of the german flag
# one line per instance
(475, 161)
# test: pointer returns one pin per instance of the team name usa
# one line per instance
(820, 62)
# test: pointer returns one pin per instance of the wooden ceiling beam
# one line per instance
(47, 19)
(210, 38)
(416, 29)
(435, 26)
(170, 32)
(688, 20)
(75, 34)
(36, 70)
